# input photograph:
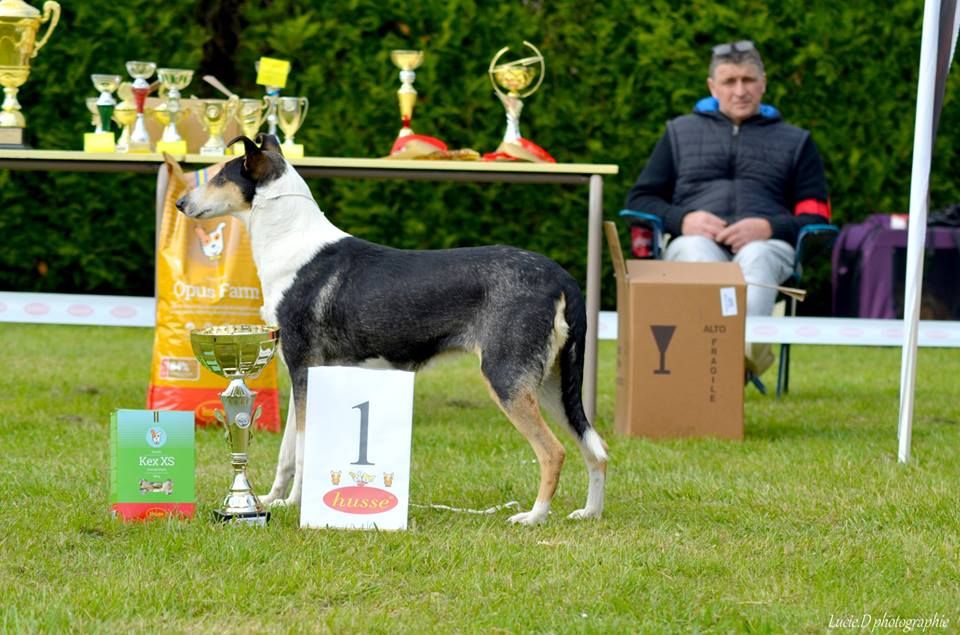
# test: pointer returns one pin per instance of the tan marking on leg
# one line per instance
(524, 412)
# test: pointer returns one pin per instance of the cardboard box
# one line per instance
(680, 345)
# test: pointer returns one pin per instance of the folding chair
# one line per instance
(812, 242)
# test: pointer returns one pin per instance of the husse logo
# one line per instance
(360, 500)
(211, 244)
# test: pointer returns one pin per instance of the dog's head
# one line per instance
(234, 186)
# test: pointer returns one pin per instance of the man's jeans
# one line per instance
(767, 262)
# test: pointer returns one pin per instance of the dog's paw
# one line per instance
(267, 499)
(529, 518)
(581, 514)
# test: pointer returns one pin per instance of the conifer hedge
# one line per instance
(616, 71)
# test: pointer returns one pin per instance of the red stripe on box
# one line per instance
(149, 511)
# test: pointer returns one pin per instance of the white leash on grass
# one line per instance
(461, 510)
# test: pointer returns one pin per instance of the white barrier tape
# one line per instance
(461, 510)
(91, 310)
(111, 310)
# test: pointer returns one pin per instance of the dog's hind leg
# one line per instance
(285, 461)
(591, 446)
(523, 410)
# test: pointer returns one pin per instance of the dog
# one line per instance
(340, 300)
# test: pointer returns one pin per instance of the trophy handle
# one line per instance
(221, 418)
(493, 64)
(303, 113)
(255, 418)
(50, 9)
(543, 68)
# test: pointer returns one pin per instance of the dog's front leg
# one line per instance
(298, 407)
(286, 459)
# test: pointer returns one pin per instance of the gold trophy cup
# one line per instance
(125, 114)
(251, 114)
(515, 77)
(291, 111)
(236, 352)
(19, 23)
(172, 81)
(214, 114)
(408, 62)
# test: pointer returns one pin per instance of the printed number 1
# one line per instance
(364, 409)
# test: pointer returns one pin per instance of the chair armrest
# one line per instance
(820, 235)
(654, 222)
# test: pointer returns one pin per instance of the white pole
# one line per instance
(917, 229)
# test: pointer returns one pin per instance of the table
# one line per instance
(422, 170)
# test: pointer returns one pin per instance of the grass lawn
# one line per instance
(810, 521)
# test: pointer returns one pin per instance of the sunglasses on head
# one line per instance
(732, 47)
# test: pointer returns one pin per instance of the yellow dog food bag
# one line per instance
(205, 277)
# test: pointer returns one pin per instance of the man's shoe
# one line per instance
(759, 357)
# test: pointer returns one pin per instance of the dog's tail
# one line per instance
(571, 373)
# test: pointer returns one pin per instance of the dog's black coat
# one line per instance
(497, 299)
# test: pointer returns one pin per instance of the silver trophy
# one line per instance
(235, 352)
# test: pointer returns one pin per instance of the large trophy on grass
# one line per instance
(19, 23)
(235, 352)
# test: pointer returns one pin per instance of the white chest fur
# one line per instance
(287, 229)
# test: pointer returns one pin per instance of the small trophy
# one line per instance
(125, 114)
(408, 144)
(291, 112)
(515, 77)
(172, 81)
(140, 71)
(407, 62)
(214, 114)
(102, 140)
(94, 114)
(235, 352)
(19, 23)
(250, 116)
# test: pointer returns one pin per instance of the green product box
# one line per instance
(152, 464)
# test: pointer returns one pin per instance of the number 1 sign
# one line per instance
(356, 463)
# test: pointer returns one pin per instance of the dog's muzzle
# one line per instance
(182, 203)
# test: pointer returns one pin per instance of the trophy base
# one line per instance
(213, 152)
(255, 518)
(139, 147)
(172, 147)
(12, 138)
(292, 150)
(99, 142)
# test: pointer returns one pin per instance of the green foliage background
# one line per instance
(616, 71)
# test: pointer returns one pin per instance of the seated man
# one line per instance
(733, 181)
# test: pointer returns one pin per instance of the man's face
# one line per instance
(739, 89)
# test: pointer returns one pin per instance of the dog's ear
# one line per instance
(255, 163)
(269, 142)
(249, 147)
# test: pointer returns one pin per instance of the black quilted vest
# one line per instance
(734, 172)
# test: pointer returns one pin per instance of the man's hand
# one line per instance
(702, 223)
(744, 231)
